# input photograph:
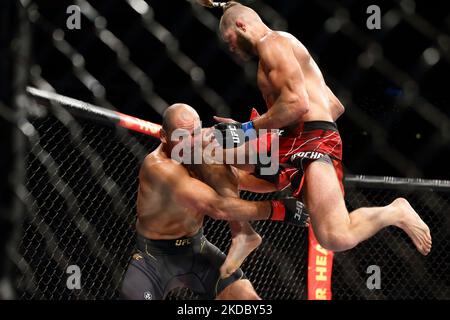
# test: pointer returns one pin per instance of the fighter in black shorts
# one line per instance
(172, 202)
(160, 266)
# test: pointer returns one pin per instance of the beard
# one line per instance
(244, 48)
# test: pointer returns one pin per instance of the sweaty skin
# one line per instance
(160, 216)
(308, 81)
(290, 80)
(295, 91)
(173, 198)
(172, 202)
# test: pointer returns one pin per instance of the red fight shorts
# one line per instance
(310, 141)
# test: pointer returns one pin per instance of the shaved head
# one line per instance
(233, 12)
(181, 127)
(179, 115)
(241, 28)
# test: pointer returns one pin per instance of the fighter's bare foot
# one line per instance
(413, 225)
(241, 246)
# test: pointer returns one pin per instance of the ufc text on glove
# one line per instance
(232, 135)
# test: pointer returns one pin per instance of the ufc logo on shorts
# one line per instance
(308, 154)
(182, 242)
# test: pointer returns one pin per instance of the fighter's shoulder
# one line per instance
(162, 169)
(272, 40)
(280, 40)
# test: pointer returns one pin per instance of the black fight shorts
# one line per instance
(159, 266)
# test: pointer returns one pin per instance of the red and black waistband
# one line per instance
(310, 126)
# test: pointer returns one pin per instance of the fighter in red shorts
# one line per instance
(301, 104)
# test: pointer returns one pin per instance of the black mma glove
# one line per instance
(289, 210)
(235, 134)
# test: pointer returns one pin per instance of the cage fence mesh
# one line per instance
(82, 184)
(404, 273)
(81, 190)
(81, 179)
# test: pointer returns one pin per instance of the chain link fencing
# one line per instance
(403, 272)
(81, 177)
(81, 186)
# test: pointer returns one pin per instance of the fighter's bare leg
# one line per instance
(337, 230)
(243, 238)
(243, 241)
(239, 290)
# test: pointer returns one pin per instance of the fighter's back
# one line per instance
(323, 104)
(160, 216)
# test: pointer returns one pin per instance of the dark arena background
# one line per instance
(69, 182)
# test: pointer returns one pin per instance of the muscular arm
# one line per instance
(249, 182)
(286, 81)
(199, 196)
(194, 194)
